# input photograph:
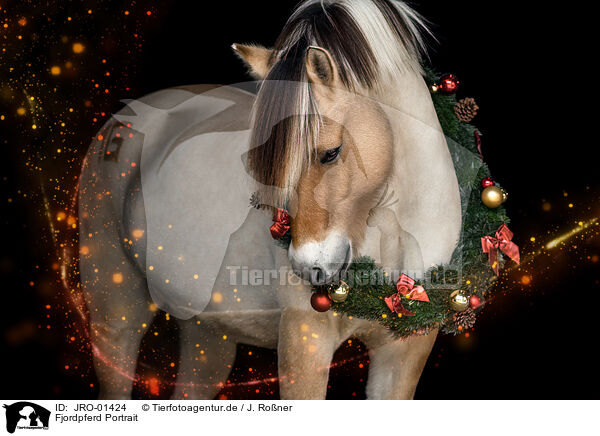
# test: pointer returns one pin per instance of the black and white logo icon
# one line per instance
(26, 415)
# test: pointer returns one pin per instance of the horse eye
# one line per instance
(331, 155)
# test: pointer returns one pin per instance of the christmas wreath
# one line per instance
(406, 307)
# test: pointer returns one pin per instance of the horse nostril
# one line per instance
(317, 276)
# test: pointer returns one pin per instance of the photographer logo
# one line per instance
(26, 415)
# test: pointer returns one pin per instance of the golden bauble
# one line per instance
(459, 301)
(338, 293)
(493, 196)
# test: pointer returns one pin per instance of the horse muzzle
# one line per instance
(322, 262)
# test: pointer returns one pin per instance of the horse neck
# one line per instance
(424, 180)
(409, 95)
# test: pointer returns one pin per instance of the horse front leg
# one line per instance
(206, 360)
(307, 341)
(396, 367)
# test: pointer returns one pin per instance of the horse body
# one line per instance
(158, 230)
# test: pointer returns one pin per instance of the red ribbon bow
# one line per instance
(501, 242)
(281, 224)
(406, 288)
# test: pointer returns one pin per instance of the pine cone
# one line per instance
(465, 320)
(466, 109)
(255, 200)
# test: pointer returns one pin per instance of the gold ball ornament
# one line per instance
(493, 196)
(338, 293)
(459, 301)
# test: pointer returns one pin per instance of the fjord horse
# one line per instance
(341, 118)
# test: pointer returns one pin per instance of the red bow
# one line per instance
(406, 288)
(281, 224)
(501, 242)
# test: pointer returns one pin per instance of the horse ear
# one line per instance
(257, 58)
(320, 67)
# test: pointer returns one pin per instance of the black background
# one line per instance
(526, 68)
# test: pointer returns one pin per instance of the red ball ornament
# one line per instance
(487, 181)
(320, 301)
(448, 84)
(475, 301)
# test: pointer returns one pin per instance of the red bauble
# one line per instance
(487, 181)
(448, 84)
(320, 301)
(475, 301)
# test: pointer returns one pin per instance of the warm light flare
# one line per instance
(566, 236)
(78, 47)
(117, 278)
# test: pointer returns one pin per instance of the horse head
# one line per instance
(320, 148)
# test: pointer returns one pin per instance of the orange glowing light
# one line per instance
(78, 47)
(526, 279)
(55, 70)
(217, 297)
(117, 278)
(137, 233)
(22, 22)
(154, 386)
(60, 216)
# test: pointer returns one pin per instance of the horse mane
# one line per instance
(369, 40)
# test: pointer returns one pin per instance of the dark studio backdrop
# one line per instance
(523, 66)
